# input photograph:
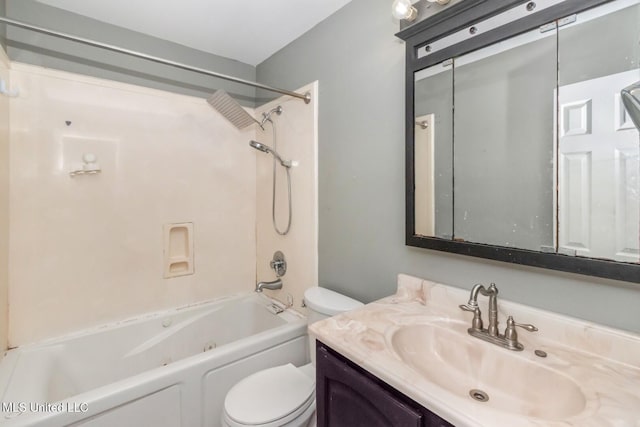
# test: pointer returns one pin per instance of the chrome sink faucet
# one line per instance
(472, 306)
(491, 334)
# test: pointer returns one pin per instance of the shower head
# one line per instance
(259, 146)
(266, 149)
(231, 110)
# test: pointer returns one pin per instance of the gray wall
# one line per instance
(584, 54)
(37, 49)
(360, 66)
(3, 32)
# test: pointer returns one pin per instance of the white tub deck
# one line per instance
(167, 369)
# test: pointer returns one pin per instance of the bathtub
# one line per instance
(166, 369)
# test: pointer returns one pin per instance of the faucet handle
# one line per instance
(511, 327)
(279, 264)
(526, 326)
(476, 323)
(511, 335)
(467, 307)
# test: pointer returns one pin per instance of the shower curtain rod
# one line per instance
(305, 97)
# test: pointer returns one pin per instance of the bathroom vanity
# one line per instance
(349, 396)
(410, 360)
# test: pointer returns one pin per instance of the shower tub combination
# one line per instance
(168, 369)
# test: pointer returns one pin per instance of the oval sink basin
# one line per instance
(447, 356)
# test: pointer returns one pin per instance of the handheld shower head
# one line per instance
(259, 146)
(266, 149)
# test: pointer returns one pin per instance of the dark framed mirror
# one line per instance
(518, 144)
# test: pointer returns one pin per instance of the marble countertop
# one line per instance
(603, 362)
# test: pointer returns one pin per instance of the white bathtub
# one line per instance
(167, 369)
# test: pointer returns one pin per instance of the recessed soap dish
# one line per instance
(178, 249)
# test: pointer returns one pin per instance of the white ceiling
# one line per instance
(249, 30)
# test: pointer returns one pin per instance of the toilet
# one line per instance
(284, 396)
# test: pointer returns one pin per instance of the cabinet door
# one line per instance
(347, 398)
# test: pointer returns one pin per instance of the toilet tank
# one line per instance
(323, 303)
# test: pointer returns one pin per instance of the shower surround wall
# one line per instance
(297, 138)
(89, 250)
(4, 201)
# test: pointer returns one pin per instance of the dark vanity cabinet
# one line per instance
(348, 396)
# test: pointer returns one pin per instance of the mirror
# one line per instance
(525, 143)
(598, 144)
(503, 143)
(434, 151)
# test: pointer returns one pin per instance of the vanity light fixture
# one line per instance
(403, 9)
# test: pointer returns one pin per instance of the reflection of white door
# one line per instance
(424, 180)
(598, 179)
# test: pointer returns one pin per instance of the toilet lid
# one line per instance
(328, 302)
(269, 395)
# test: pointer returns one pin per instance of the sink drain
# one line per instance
(479, 395)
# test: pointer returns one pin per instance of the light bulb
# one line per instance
(402, 9)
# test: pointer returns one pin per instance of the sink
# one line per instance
(444, 354)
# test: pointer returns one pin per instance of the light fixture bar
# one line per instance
(492, 23)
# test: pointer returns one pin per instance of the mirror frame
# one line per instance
(450, 20)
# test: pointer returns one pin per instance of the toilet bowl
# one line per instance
(274, 397)
(284, 396)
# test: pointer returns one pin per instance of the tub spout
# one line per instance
(276, 284)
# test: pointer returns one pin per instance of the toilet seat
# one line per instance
(269, 398)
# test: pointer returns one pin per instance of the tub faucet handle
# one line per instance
(279, 264)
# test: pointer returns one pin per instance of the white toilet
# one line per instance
(284, 396)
